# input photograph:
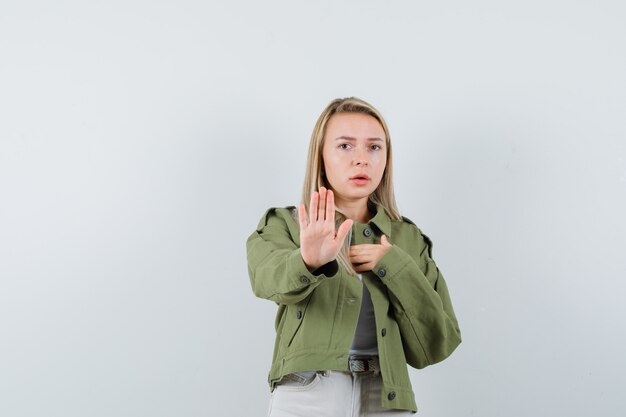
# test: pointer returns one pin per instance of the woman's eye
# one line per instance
(376, 147)
(344, 146)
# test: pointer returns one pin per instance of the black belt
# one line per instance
(360, 364)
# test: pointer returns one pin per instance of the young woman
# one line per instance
(359, 295)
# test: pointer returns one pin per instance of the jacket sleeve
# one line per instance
(421, 302)
(275, 266)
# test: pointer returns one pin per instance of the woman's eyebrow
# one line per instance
(350, 138)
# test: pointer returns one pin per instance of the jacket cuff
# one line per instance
(392, 262)
(306, 277)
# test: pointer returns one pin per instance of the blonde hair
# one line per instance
(315, 178)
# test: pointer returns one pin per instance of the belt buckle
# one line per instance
(360, 364)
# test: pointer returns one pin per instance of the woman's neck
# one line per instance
(355, 210)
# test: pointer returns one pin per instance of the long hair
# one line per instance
(315, 177)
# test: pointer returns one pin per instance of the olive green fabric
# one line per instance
(317, 312)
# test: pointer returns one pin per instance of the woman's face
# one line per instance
(355, 155)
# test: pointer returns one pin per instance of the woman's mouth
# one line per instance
(360, 179)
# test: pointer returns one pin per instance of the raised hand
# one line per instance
(319, 244)
(365, 257)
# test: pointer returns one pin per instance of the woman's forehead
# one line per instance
(358, 126)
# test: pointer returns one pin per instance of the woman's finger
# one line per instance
(362, 248)
(313, 207)
(363, 267)
(353, 254)
(330, 207)
(322, 204)
(359, 259)
(363, 254)
(302, 216)
(343, 230)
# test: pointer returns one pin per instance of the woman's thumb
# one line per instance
(384, 241)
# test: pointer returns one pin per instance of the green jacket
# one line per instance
(317, 312)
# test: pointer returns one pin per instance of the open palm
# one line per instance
(319, 243)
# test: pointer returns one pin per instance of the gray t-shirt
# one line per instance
(364, 341)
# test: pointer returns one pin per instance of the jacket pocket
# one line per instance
(295, 316)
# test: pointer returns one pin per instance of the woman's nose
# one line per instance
(360, 157)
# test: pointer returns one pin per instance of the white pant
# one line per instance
(331, 394)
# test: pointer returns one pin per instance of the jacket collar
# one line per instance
(381, 220)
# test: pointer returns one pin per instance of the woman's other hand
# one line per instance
(319, 244)
(365, 257)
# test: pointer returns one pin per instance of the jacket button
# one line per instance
(304, 279)
(381, 272)
(383, 332)
(391, 395)
(299, 315)
(367, 232)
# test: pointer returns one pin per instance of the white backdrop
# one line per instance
(140, 142)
